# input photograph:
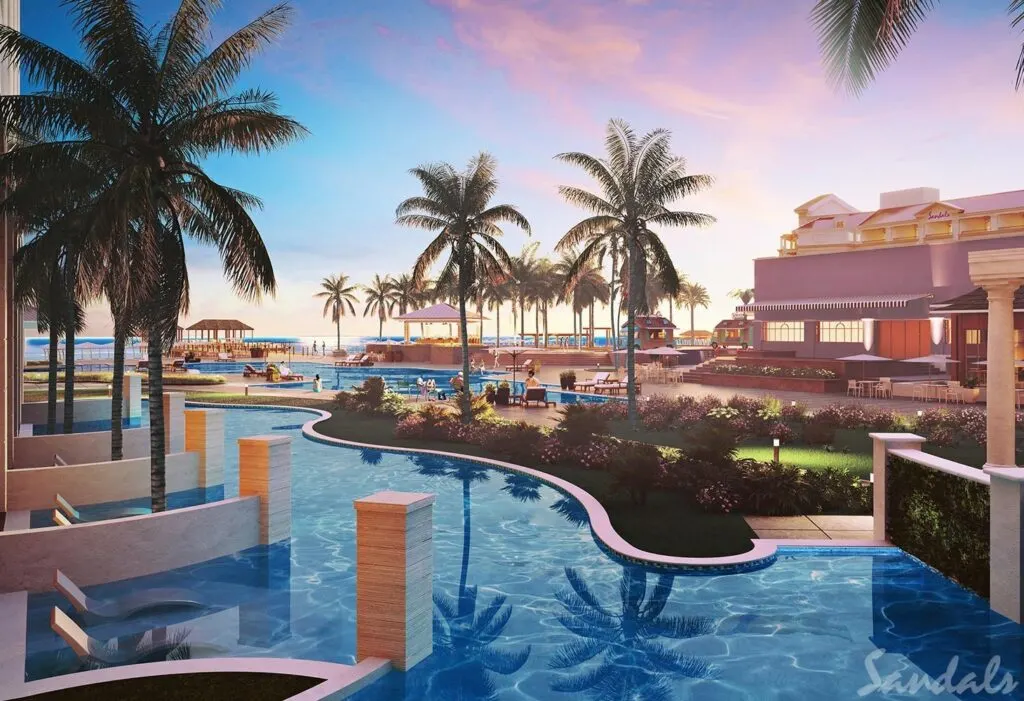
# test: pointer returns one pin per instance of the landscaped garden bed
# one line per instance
(771, 382)
(170, 378)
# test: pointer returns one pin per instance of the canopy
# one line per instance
(864, 358)
(1016, 363)
(937, 360)
(219, 325)
(444, 313)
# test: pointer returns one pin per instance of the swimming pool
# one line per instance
(529, 607)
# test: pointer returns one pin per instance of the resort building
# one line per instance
(653, 331)
(847, 281)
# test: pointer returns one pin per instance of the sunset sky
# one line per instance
(384, 85)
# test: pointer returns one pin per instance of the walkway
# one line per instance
(812, 527)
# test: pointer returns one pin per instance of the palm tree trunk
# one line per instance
(51, 378)
(69, 367)
(671, 306)
(692, 327)
(380, 328)
(592, 323)
(466, 538)
(611, 297)
(632, 300)
(117, 394)
(157, 441)
(337, 323)
(544, 313)
(464, 399)
(497, 326)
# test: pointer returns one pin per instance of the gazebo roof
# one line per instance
(439, 312)
(219, 325)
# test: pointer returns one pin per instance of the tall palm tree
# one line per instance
(624, 637)
(860, 38)
(673, 300)
(638, 180)
(143, 108)
(743, 294)
(691, 296)
(590, 288)
(544, 292)
(496, 293)
(338, 297)
(523, 272)
(456, 205)
(380, 300)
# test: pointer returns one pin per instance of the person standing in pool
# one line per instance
(318, 384)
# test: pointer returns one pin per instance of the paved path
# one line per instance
(812, 527)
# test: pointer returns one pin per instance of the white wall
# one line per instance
(38, 451)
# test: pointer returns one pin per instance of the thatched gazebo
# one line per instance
(210, 329)
(437, 314)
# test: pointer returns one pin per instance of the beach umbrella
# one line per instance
(864, 358)
(515, 352)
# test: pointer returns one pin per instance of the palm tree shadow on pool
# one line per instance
(527, 489)
(621, 644)
(371, 456)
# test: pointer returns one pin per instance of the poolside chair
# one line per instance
(91, 650)
(225, 356)
(526, 365)
(250, 371)
(71, 514)
(289, 376)
(600, 378)
(852, 388)
(125, 606)
(366, 362)
(536, 395)
(350, 361)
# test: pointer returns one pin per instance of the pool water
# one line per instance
(529, 607)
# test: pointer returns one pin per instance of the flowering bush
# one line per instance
(596, 455)
(951, 427)
(517, 442)
(771, 371)
(717, 498)
(794, 412)
(782, 432)
(410, 427)
(613, 411)
(659, 413)
(579, 423)
(372, 397)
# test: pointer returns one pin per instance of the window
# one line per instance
(973, 337)
(841, 331)
(784, 331)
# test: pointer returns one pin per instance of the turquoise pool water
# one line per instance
(529, 607)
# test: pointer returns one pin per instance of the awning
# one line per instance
(883, 302)
(974, 302)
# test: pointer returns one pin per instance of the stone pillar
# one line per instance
(265, 470)
(394, 577)
(131, 403)
(883, 442)
(1006, 555)
(1000, 272)
(204, 434)
(174, 422)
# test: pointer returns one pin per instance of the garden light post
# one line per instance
(775, 449)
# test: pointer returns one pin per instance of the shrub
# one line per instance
(837, 491)
(658, 412)
(516, 441)
(819, 431)
(613, 411)
(578, 423)
(638, 469)
(713, 440)
(774, 489)
(793, 412)
(717, 498)
(771, 371)
(410, 427)
(480, 410)
(782, 432)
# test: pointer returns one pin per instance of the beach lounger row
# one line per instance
(357, 360)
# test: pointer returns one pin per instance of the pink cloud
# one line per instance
(444, 45)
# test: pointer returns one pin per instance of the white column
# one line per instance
(265, 470)
(1006, 527)
(394, 577)
(174, 422)
(1000, 387)
(131, 401)
(204, 434)
(883, 443)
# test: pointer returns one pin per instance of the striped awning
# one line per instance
(821, 303)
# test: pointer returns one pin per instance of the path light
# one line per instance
(775, 444)
(793, 403)
(920, 413)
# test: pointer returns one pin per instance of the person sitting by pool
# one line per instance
(457, 383)
(531, 381)
(318, 385)
(432, 387)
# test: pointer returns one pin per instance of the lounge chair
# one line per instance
(250, 371)
(225, 356)
(125, 606)
(71, 514)
(176, 366)
(288, 376)
(526, 365)
(356, 359)
(536, 395)
(615, 387)
(89, 649)
(600, 378)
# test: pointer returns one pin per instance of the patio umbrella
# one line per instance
(936, 361)
(864, 358)
(515, 352)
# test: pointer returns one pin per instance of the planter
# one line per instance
(563, 384)
(570, 386)
(791, 384)
(502, 396)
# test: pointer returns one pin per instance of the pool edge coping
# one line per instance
(760, 555)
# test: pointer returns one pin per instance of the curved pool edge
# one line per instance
(334, 677)
(759, 556)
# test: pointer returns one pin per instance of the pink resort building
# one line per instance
(847, 281)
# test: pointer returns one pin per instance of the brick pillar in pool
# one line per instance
(204, 434)
(131, 404)
(174, 422)
(394, 577)
(265, 470)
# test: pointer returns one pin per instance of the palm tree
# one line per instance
(338, 296)
(673, 300)
(693, 295)
(860, 38)
(407, 294)
(495, 294)
(457, 206)
(625, 639)
(638, 179)
(523, 272)
(127, 127)
(743, 294)
(589, 289)
(380, 300)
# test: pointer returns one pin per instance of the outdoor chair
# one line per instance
(600, 378)
(521, 367)
(250, 371)
(91, 650)
(536, 395)
(71, 515)
(955, 393)
(288, 375)
(136, 602)
(852, 388)
(883, 388)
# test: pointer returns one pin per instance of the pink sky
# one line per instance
(739, 82)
